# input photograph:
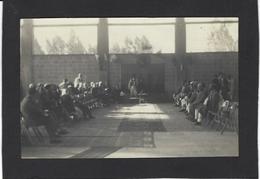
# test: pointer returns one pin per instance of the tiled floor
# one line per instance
(103, 137)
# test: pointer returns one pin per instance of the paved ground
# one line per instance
(138, 130)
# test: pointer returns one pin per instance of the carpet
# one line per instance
(131, 126)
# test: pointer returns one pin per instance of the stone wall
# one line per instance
(201, 66)
(54, 68)
(204, 65)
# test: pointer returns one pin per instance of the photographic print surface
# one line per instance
(129, 87)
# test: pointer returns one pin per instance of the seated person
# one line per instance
(183, 91)
(50, 100)
(79, 101)
(67, 103)
(94, 90)
(211, 103)
(70, 101)
(192, 96)
(231, 87)
(34, 115)
(99, 93)
(64, 84)
(190, 91)
(201, 95)
(224, 86)
(107, 96)
(116, 93)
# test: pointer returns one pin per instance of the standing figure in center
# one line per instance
(132, 87)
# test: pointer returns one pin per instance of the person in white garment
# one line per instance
(78, 80)
(132, 87)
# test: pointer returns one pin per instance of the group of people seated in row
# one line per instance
(196, 98)
(54, 106)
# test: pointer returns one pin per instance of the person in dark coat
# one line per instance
(224, 87)
(192, 96)
(210, 104)
(116, 93)
(198, 102)
(213, 99)
(215, 81)
(67, 101)
(79, 101)
(35, 115)
(50, 100)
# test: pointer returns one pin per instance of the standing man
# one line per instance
(132, 87)
(78, 81)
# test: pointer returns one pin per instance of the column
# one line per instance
(180, 50)
(103, 50)
(26, 54)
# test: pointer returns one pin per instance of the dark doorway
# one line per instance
(151, 75)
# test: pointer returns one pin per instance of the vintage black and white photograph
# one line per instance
(129, 87)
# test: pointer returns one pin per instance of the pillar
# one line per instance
(26, 54)
(103, 50)
(180, 50)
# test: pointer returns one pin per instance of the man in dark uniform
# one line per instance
(210, 104)
(198, 102)
(34, 115)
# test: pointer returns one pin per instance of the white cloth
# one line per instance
(206, 101)
(196, 114)
(199, 117)
(133, 91)
(188, 108)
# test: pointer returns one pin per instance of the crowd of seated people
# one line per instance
(54, 106)
(196, 98)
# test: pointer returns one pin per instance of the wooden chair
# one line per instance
(230, 120)
(222, 114)
(213, 117)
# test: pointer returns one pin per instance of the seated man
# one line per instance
(67, 102)
(192, 96)
(183, 92)
(64, 84)
(201, 95)
(50, 99)
(34, 115)
(211, 103)
(71, 101)
(99, 93)
(224, 86)
(189, 94)
(116, 93)
(79, 101)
